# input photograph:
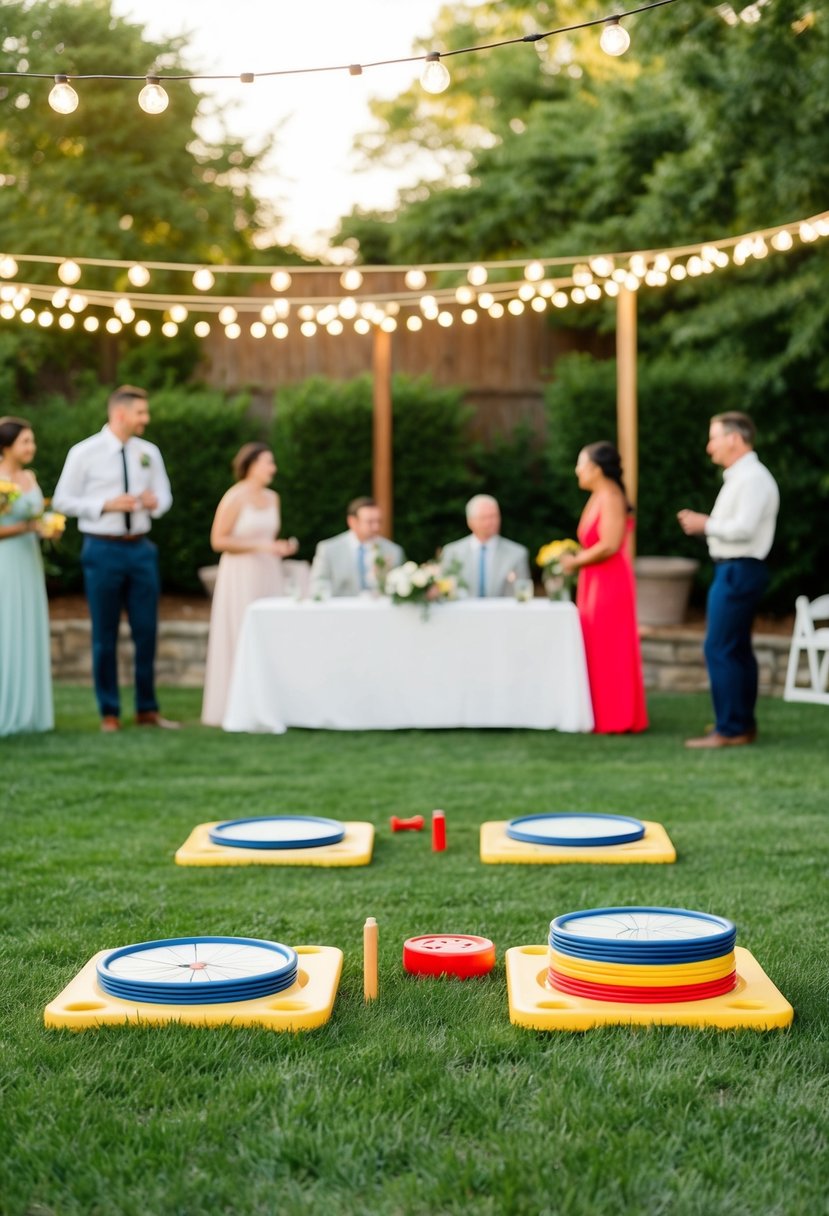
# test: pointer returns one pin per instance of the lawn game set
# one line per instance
(601, 966)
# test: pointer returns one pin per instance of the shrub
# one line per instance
(322, 438)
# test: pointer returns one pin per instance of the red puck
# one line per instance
(461, 955)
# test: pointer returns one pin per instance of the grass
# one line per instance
(428, 1101)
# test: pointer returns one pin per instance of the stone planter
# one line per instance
(663, 586)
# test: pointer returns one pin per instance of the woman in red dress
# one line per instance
(606, 596)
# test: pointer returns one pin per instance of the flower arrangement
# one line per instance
(425, 584)
(51, 525)
(9, 494)
(558, 585)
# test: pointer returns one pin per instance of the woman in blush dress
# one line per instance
(606, 596)
(25, 653)
(244, 531)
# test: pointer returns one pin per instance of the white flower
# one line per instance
(421, 578)
(403, 588)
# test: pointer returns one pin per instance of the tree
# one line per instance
(707, 127)
(108, 181)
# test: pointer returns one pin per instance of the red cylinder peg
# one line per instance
(415, 824)
(438, 831)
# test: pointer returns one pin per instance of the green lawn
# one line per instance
(428, 1101)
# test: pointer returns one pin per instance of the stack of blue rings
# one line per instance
(198, 970)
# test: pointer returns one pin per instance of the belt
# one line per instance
(720, 561)
(128, 536)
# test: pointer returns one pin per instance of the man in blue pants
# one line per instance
(740, 532)
(116, 484)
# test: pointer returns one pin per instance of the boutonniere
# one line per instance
(145, 461)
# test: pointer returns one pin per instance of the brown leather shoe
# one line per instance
(151, 717)
(110, 724)
(715, 739)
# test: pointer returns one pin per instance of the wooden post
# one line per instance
(626, 408)
(382, 431)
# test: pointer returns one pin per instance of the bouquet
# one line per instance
(51, 525)
(425, 584)
(557, 584)
(9, 494)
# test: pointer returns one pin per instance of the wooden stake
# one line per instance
(370, 979)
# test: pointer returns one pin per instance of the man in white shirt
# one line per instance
(489, 563)
(358, 559)
(115, 484)
(740, 533)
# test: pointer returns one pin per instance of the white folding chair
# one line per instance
(815, 643)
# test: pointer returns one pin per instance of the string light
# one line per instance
(435, 79)
(570, 280)
(435, 76)
(203, 279)
(63, 99)
(153, 97)
(615, 39)
(139, 276)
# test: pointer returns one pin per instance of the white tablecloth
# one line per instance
(362, 664)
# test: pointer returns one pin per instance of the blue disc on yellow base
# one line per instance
(497, 848)
(354, 849)
(83, 1004)
(754, 1003)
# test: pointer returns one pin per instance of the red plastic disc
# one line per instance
(641, 996)
(461, 955)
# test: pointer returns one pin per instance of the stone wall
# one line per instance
(672, 658)
(180, 656)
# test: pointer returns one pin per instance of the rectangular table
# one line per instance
(368, 664)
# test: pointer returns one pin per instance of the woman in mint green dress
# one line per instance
(25, 666)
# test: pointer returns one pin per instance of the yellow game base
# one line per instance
(755, 1003)
(354, 849)
(303, 1006)
(497, 847)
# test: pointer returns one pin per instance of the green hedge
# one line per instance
(322, 438)
(677, 396)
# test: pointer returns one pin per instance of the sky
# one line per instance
(313, 178)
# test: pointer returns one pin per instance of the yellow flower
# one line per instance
(554, 549)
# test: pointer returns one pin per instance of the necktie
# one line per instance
(482, 572)
(361, 566)
(127, 515)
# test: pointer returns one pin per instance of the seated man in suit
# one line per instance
(357, 559)
(489, 564)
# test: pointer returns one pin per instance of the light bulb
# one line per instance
(615, 39)
(8, 266)
(203, 279)
(153, 99)
(139, 276)
(280, 280)
(69, 272)
(415, 279)
(351, 280)
(434, 78)
(63, 99)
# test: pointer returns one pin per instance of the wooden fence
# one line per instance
(503, 364)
